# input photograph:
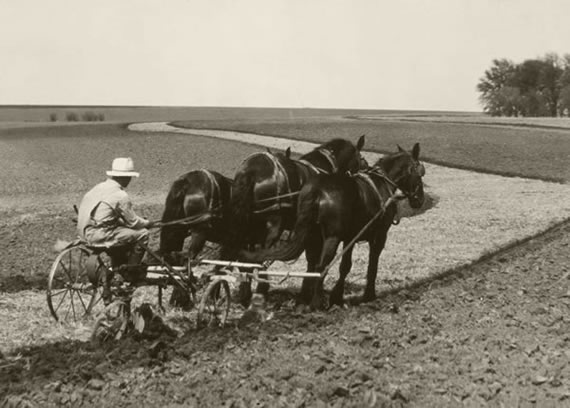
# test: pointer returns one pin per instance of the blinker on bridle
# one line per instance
(418, 167)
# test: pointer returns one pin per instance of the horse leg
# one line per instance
(330, 246)
(273, 225)
(197, 243)
(179, 297)
(171, 241)
(273, 233)
(312, 252)
(230, 253)
(375, 248)
(337, 294)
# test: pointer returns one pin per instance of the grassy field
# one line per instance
(474, 119)
(525, 152)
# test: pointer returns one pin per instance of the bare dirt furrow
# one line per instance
(494, 334)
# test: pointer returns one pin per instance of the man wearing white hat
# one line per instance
(106, 217)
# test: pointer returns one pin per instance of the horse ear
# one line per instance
(416, 151)
(400, 148)
(288, 152)
(360, 143)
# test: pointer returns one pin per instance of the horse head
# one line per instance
(406, 171)
(347, 155)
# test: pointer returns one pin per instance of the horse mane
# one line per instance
(334, 144)
(387, 161)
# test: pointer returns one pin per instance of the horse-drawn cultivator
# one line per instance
(76, 281)
(246, 216)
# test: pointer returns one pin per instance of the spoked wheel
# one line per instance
(70, 294)
(112, 322)
(215, 305)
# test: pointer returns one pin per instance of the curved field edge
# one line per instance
(524, 152)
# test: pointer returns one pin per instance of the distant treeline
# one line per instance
(535, 87)
(75, 117)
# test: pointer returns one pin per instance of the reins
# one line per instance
(194, 219)
(293, 194)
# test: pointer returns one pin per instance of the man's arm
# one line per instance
(129, 218)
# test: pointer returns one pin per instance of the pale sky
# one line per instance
(382, 54)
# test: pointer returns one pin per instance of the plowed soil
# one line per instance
(495, 334)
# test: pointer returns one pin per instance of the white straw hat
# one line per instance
(122, 167)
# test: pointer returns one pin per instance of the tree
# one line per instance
(564, 86)
(531, 88)
(499, 76)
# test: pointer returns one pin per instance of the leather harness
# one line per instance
(377, 171)
(327, 154)
(215, 191)
(279, 172)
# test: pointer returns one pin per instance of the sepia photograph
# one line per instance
(284, 203)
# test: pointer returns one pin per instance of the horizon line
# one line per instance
(36, 106)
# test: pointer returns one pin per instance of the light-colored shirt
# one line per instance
(107, 206)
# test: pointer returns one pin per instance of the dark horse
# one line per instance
(335, 208)
(264, 193)
(265, 189)
(195, 193)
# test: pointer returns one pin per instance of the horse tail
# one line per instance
(307, 214)
(173, 210)
(241, 205)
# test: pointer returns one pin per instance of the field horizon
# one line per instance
(120, 113)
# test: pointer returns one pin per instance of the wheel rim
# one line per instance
(215, 305)
(70, 295)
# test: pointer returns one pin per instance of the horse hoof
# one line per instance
(317, 305)
(302, 301)
(302, 309)
(368, 298)
(334, 301)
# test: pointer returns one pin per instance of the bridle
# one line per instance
(417, 167)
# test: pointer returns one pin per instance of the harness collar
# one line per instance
(368, 180)
(310, 165)
(328, 155)
(366, 177)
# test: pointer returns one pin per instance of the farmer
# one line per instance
(106, 219)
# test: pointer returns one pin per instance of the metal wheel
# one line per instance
(215, 305)
(70, 294)
(112, 322)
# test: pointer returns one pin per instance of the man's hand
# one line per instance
(155, 224)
